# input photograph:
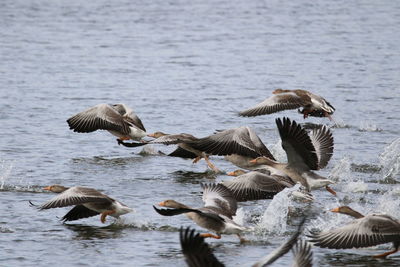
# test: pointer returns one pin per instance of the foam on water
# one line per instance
(390, 160)
(5, 171)
(274, 219)
(368, 126)
(277, 150)
(389, 203)
(345, 181)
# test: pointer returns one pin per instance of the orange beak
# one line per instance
(162, 204)
(253, 161)
(231, 173)
(335, 210)
(151, 135)
(47, 188)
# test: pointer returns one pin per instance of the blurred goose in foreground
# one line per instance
(197, 252)
(256, 185)
(184, 150)
(238, 145)
(118, 119)
(304, 154)
(216, 215)
(88, 202)
(364, 231)
(313, 105)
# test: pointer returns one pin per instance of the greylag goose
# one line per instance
(364, 231)
(216, 215)
(184, 150)
(255, 185)
(313, 105)
(197, 252)
(304, 154)
(118, 119)
(88, 202)
(238, 145)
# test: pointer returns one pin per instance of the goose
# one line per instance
(364, 231)
(118, 119)
(304, 154)
(88, 202)
(238, 145)
(256, 185)
(184, 150)
(198, 253)
(216, 215)
(312, 104)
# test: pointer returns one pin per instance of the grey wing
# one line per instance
(134, 119)
(369, 231)
(197, 252)
(275, 103)
(282, 249)
(76, 196)
(254, 186)
(322, 140)
(297, 144)
(228, 142)
(302, 254)
(218, 197)
(99, 117)
(172, 139)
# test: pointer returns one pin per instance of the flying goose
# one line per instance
(88, 202)
(313, 105)
(304, 154)
(364, 231)
(118, 119)
(238, 145)
(185, 149)
(216, 215)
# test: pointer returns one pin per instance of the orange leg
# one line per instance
(197, 159)
(212, 166)
(124, 138)
(305, 114)
(211, 235)
(105, 214)
(330, 190)
(383, 255)
(242, 240)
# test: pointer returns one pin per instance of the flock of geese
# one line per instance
(307, 152)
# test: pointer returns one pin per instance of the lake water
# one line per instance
(188, 66)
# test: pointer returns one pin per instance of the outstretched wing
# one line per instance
(99, 117)
(79, 212)
(322, 141)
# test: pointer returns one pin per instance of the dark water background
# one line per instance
(187, 66)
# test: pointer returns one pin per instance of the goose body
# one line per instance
(312, 104)
(305, 153)
(118, 119)
(88, 202)
(216, 215)
(364, 231)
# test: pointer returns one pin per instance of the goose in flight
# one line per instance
(312, 104)
(364, 231)
(305, 153)
(216, 215)
(118, 119)
(88, 202)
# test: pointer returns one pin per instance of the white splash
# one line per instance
(368, 126)
(5, 171)
(150, 150)
(277, 150)
(274, 219)
(390, 160)
(342, 175)
(240, 216)
(389, 203)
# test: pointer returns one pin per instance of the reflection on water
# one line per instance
(86, 232)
